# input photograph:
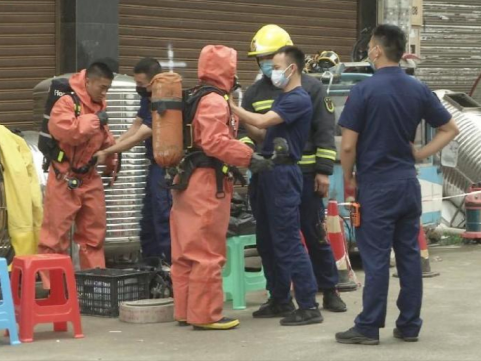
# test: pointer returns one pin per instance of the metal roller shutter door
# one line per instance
(27, 56)
(451, 44)
(147, 27)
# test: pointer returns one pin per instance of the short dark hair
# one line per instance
(295, 55)
(99, 70)
(148, 66)
(392, 39)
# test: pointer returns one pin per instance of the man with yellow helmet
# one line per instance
(317, 164)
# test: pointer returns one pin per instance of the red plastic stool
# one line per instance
(57, 308)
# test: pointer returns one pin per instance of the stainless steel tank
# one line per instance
(467, 113)
(124, 198)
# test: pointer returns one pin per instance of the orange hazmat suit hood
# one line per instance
(218, 66)
(77, 82)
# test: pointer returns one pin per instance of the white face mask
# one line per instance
(279, 78)
(371, 61)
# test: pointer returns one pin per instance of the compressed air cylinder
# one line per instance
(167, 127)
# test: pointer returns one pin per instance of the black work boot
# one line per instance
(352, 336)
(331, 301)
(272, 309)
(303, 317)
(398, 334)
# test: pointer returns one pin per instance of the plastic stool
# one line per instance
(7, 312)
(236, 281)
(57, 308)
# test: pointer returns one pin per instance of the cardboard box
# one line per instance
(417, 13)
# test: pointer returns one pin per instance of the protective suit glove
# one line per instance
(103, 117)
(260, 164)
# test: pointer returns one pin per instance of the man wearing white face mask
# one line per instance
(279, 191)
(317, 164)
(379, 124)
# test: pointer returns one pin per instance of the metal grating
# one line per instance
(451, 44)
(148, 26)
(27, 55)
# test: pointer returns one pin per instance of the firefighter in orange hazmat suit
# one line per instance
(199, 220)
(74, 189)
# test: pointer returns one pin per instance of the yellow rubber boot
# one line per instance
(223, 324)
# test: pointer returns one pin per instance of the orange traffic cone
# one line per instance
(335, 236)
(423, 247)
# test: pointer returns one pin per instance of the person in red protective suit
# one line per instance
(74, 189)
(199, 219)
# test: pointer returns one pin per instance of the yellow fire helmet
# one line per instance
(328, 59)
(268, 40)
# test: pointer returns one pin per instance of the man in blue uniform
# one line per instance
(379, 124)
(154, 224)
(279, 192)
(317, 162)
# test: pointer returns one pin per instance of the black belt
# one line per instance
(284, 161)
(199, 159)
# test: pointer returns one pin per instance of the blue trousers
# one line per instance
(390, 217)
(154, 225)
(275, 198)
(320, 252)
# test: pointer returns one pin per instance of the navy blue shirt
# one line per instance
(146, 116)
(386, 110)
(295, 109)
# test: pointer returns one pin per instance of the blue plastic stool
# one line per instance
(236, 281)
(7, 313)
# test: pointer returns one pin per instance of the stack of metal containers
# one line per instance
(124, 197)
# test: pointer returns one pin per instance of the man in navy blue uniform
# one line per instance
(317, 162)
(154, 224)
(379, 124)
(279, 190)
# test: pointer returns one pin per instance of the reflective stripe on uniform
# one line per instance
(262, 105)
(307, 159)
(326, 153)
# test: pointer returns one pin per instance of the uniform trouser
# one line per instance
(275, 197)
(199, 224)
(320, 252)
(86, 207)
(154, 225)
(390, 215)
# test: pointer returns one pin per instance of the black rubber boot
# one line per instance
(398, 334)
(272, 309)
(352, 336)
(302, 317)
(331, 301)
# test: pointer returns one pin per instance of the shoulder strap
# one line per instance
(76, 101)
(192, 102)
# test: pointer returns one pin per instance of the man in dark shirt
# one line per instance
(284, 258)
(379, 123)
(317, 162)
(154, 224)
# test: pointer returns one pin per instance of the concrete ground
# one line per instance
(451, 313)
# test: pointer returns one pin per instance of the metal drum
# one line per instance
(473, 213)
(124, 198)
(467, 114)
